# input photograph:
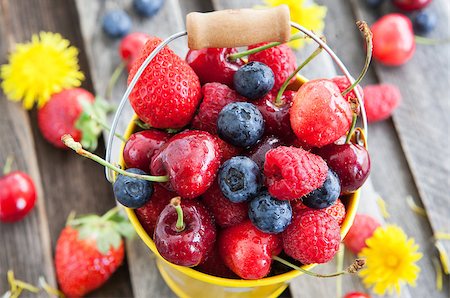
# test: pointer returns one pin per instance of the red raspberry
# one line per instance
(319, 114)
(363, 228)
(226, 213)
(227, 150)
(280, 59)
(148, 214)
(337, 210)
(215, 97)
(312, 237)
(212, 65)
(343, 83)
(168, 92)
(380, 101)
(293, 172)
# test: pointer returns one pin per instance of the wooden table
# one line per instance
(410, 152)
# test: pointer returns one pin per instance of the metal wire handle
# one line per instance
(109, 174)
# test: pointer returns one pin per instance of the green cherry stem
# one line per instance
(364, 28)
(76, 146)
(238, 55)
(113, 80)
(353, 268)
(352, 128)
(106, 127)
(339, 267)
(176, 203)
(8, 164)
(288, 80)
(430, 41)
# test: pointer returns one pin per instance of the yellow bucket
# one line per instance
(187, 282)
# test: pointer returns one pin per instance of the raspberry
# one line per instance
(226, 213)
(293, 172)
(337, 210)
(343, 83)
(380, 101)
(215, 97)
(280, 59)
(363, 228)
(312, 237)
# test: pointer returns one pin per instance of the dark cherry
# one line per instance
(214, 265)
(191, 159)
(187, 246)
(212, 65)
(410, 5)
(258, 153)
(351, 162)
(141, 146)
(17, 196)
(276, 115)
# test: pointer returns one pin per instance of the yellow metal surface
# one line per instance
(188, 282)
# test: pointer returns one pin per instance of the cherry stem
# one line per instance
(365, 30)
(430, 41)
(106, 127)
(339, 267)
(16, 286)
(235, 56)
(176, 203)
(352, 128)
(107, 216)
(8, 164)
(288, 80)
(353, 268)
(113, 80)
(76, 146)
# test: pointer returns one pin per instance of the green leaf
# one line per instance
(126, 229)
(141, 124)
(85, 232)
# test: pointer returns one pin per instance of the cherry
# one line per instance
(130, 47)
(213, 65)
(191, 160)
(356, 295)
(258, 153)
(214, 265)
(185, 234)
(393, 39)
(17, 195)
(247, 251)
(410, 5)
(142, 146)
(351, 162)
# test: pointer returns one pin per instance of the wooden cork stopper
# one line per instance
(237, 27)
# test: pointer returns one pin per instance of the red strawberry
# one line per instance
(212, 65)
(69, 112)
(215, 97)
(191, 160)
(226, 213)
(337, 210)
(312, 237)
(168, 92)
(363, 228)
(88, 252)
(280, 59)
(293, 172)
(343, 83)
(380, 101)
(247, 251)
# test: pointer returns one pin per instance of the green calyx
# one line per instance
(91, 121)
(106, 230)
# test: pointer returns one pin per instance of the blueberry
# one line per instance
(424, 22)
(239, 179)
(132, 192)
(254, 80)
(240, 124)
(116, 23)
(269, 214)
(374, 3)
(326, 195)
(147, 8)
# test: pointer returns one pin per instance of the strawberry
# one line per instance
(168, 91)
(70, 112)
(90, 249)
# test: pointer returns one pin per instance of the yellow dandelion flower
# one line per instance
(309, 15)
(390, 260)
(40, 68)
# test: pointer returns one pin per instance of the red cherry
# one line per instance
(190, 245)
(258, 153)
(410, 5)
(141, 146)
(17, 196)
(212, 65)
(247, 251)
(356, 295)
(393, 39)
(130, 47)
(351, 162)
(214, 265)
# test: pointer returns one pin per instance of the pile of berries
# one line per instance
(249, 174)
